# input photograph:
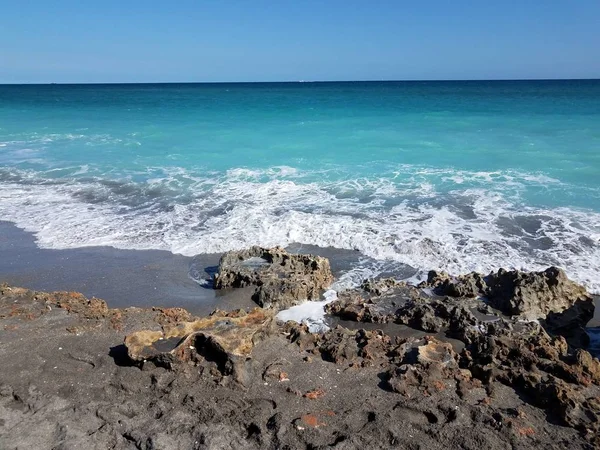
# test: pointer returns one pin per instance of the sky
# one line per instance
(66, 41)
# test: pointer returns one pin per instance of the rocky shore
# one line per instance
(473, 361)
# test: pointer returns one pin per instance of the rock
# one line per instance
(533, 295)
(225, 339)
(565, 306)
(428, 366)
(380, 286)
(470, 285)
(423, 315)
(281, 279)
(377, 301)
(437, 353)
(434, 315)
(360, 348)
(539, 366)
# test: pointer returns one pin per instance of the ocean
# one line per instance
(414, 176)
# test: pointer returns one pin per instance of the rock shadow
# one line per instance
(119, 355)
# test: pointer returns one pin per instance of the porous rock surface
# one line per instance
(563, 306)
(240, 380)
(530, 295)
(282, 279)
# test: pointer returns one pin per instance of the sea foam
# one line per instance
(412, 222)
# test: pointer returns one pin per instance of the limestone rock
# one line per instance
(380, 286)
(534, 295)
(470, 285)
(540, 366)
(376, 301)
(435, 315)
(281, 279)
(225, 339)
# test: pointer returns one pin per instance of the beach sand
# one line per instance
(124, 278)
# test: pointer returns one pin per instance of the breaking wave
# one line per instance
(422, 218)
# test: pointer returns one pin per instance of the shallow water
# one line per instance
(458, 176)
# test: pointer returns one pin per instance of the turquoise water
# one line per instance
(415, 175)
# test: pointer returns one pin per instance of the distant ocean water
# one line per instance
(458, 176)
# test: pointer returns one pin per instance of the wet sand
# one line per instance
(124, 278)
(121, 277)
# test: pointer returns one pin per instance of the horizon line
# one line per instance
(49, 83)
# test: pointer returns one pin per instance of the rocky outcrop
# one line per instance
(541, 368)
(530, 295)
(281, 279)
(533, 295)
(435, 315)
(509, 386)
(564, 306)
(376, 301)
(221, 341)
(470, 285)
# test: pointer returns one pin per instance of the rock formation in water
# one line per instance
(281, 279)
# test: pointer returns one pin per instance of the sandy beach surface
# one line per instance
(78, 372)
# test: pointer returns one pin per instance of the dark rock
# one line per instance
(428, 367)
(470, 285)
(534, 295)
(435, 315)
(380, 286)
(540, 367)
(281, 279)
(377, 301)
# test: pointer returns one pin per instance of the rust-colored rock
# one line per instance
(315, 394)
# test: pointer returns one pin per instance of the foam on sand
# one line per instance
(311, 313)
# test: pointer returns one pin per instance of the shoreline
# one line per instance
(81, 374)
(124, 278)
(145, 278)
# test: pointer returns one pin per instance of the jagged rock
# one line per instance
(435, 315)
(376, 301)
(437, 353)
(360, 347)
(380, 286)
(427, 366)
(539, 366)
(281, 279)
(423, 315)
(225, 339)
(571, 323)
(565, 306)
(534, 295)
(470, 285)
(343, 346)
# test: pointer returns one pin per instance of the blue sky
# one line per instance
(257, 40)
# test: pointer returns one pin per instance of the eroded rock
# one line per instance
(223, 338)
(470, 285)
(540, 367)
(533, 295)
(281, 279)
(376, 301)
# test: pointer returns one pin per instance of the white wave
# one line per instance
(236, 210)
